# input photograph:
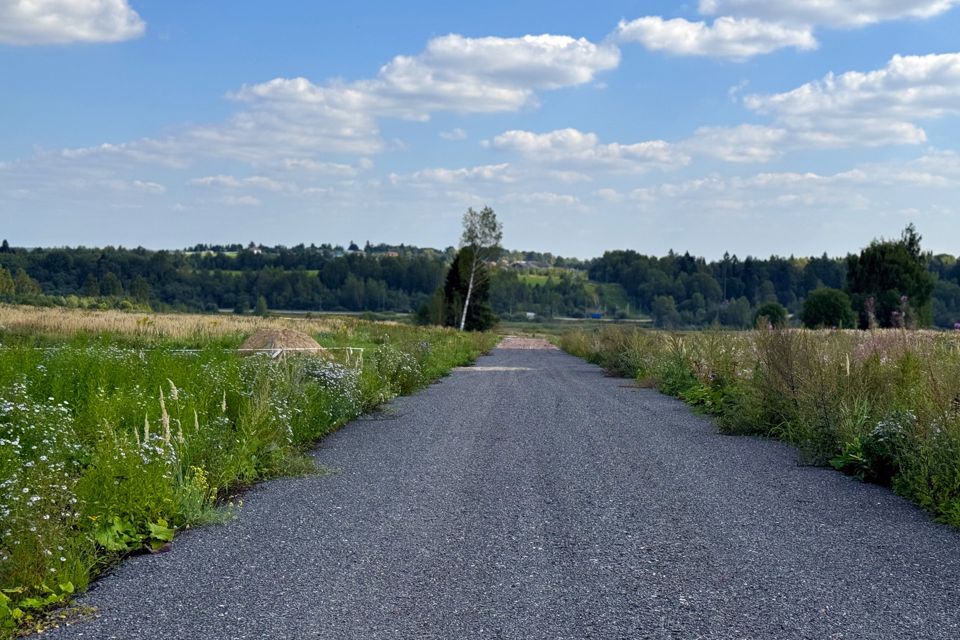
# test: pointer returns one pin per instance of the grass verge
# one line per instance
(883, 406)
(112, 438)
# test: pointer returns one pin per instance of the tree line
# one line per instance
(887, 283)
(298, 278)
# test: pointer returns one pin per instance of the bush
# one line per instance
(828, 308)
(770, 313)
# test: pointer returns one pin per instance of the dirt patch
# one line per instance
(282, 340)
(516, 342)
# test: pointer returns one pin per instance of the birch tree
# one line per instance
(481, 234)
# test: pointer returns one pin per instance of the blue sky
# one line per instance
(750, 126)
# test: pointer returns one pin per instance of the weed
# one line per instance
(880, 405)
(112, 437)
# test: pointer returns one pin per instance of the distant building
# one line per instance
(254, 248)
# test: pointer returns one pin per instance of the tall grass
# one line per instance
(881, 405)
(188, 330)
(108, 448)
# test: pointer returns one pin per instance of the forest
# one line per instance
(676, 290)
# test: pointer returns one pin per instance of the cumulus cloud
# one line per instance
(868, 109)
(726, 37)
(828, 13)
(29, 22)
(287, 117)
(575, 148)
(453, 73)
(743, 29)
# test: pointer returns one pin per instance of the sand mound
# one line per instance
(283, 340)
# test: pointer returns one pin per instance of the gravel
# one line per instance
(533, 497)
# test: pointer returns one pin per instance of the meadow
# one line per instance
(117, 429)
(883, 405)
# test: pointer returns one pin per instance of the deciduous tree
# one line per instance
(482, 234)
(826, 307)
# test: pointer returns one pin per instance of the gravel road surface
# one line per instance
(532, 497)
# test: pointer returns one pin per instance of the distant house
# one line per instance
(254, 248)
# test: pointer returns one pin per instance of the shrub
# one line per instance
(828, 308)
(770, 313)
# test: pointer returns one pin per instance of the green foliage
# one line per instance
(20, 611)
(7, 286)
(262, 309)
(889, 283)
(402, 278)
(770, 314)
(664, 311)
(827, 308)
(107, 450)
(480, 316)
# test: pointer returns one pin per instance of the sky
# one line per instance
(757, 127)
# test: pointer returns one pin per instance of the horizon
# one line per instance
(757, 129)
(438, 249)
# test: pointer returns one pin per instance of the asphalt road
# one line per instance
(532, 497)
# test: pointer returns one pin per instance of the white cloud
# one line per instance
(576, 148)
(857, 188)
(324, 168)
(543, 198)
(241, 201)
(828, 13)
(149, 187)
(287, 117)
(610, 195)
(733, 38)
(454, 134)
(569, 177)
(27, 22)
(744, 143)
(743, 29)
(453, 73)
(868, 109)
(164, 152)
(253, 182)
(484, 173)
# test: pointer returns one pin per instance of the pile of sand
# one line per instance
(282, 340)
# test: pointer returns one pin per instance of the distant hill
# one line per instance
(678, 290)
